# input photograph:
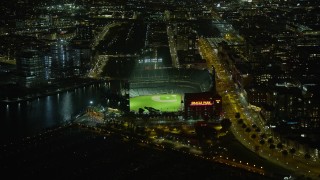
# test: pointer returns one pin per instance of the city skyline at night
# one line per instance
(232, 84)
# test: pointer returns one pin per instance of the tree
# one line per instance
(141, 110)
(272, 146)
(307, 156)
(240, 121)
(237, 115)
(279, 145)
(256, 148)
(285, 153)
(159, 132)
(292, 151)
(244, 126)
(263, 135)
(258, 129)
(270, 141)
(225, 123)
(262, 142)
(248, 130)
(253, 136)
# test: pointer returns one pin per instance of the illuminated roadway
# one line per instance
(100, 60)
(172, 47)
(234, 102)
(6, 60)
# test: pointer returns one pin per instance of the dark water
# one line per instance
(29, 117)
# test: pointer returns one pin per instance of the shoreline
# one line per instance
(45, 93)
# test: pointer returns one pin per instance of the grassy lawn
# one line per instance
(162, 102)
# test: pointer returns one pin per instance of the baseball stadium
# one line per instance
(163, 89)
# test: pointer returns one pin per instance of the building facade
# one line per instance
(30, 68)
(205, 106)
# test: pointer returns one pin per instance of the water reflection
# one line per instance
(49, 110)
(66, 107)
(18, 120)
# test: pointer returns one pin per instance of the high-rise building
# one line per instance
(61, 59)
(30, 68)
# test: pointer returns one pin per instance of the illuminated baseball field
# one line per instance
(162, 102)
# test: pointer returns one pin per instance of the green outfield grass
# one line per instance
(162, 102)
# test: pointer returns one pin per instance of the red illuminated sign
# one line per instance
(201, 103)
